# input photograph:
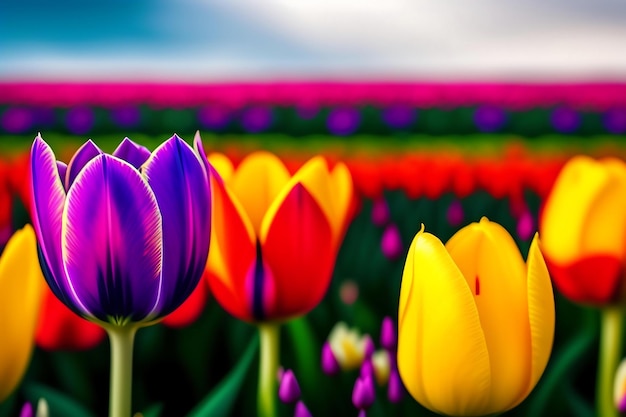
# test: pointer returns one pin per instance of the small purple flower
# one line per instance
(399, 116)
(126, 116)
(79, 120)
(343, 121)
(525, 225)
(123, 237)
(489, 118)
(455, 214)
(380, 212)
(27, 410)
(330, 366)
(367, 369)
(395, 388)
(391, 242)
(256, 119)
(16, 120)
(615, 121)
(289, 390)
(565, 120)
(363, 394)
(301, 410)
(388, 336)
(213, 117)
(369, 348)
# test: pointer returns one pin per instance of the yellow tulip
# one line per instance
(582, 231)
(348, 345)
(476, 324)
(21, 290)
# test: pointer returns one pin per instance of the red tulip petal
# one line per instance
(297, 246)
(593, 280)
(232, 252)
(61, 329)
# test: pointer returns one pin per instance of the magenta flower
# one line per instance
(123, 237)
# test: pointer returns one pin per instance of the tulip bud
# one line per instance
(289, 390)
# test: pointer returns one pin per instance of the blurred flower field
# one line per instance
(438, 155)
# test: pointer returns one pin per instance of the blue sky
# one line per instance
(303, 39)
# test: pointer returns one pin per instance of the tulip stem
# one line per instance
(121, 339)
(610, 354)
(269, 334)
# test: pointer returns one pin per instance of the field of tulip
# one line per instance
(326, 288)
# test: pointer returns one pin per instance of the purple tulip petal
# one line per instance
(62, 167)
(388, 337)
(27, 410)
(177, 176)
(111, 241)
(48, 197)
(84, 154)
(132, 153)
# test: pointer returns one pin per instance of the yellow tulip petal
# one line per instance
(541, 313)
(257, 181)
(222, 165)
(492, 264)
(21, 289)
(343, 194)
(603, 230)
(442, 353)
(315, 177)
(581, 181)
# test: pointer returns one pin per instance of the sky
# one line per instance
(247, 40)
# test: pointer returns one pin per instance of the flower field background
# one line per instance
(441, 155)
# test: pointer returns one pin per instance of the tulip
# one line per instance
(476, 324)
(275, 237)
(21, 289)
(348, 346)
(583, 231)
(123, 237)
(274, 243)
(583, 237)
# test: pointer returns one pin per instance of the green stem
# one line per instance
(610, 354)
(122, 339)
(269, 334)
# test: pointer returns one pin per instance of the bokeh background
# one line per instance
(444, 112)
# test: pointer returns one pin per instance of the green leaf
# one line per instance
(219, 402)
(58, 403)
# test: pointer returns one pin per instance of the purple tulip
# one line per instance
(363, 393)
(330, 366)
(388, 336)
(123, 237)
(289, 390)
(301, 410)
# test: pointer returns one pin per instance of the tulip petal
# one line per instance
(493, 267)
(585, 192)
(21, 289)
(541, 313)
(442, 353)
(593, 280)
(296, 245)
(198, 148)
(232, 252)
(602, 233)
(178, 178)
(222, 164)
(84, 154)
(112, 241)
(48, 199)
(132, 153)
(258, 180)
